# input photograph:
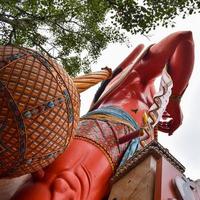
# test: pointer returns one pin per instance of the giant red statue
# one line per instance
(83, 171)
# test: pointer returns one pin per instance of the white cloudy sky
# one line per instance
(185, 143)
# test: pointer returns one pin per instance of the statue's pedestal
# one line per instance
(153, 174)
(137, 183)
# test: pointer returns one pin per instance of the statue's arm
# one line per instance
(180, 67)
(177, 52)
(165, 52)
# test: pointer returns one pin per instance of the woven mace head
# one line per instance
(39, 110)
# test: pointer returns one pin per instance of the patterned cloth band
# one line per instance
(103, 127)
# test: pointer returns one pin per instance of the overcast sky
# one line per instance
(184, 144)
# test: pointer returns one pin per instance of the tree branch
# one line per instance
(43, 49)
(7, 20)
(67, 30)
(12, 33)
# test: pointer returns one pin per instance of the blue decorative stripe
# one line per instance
(21, 127)
(43, 107)
(50, 104)
(15, 56)
(3, 126)
(70, 111)
(41, 58)
(131, 149)
(114, 111)
(20, 124)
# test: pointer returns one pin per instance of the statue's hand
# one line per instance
(172, 118)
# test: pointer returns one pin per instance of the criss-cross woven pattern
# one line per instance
(39, 110)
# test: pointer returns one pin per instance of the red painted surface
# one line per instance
(165, 174)
(83, 171)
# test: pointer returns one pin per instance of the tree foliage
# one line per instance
(76, 31)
